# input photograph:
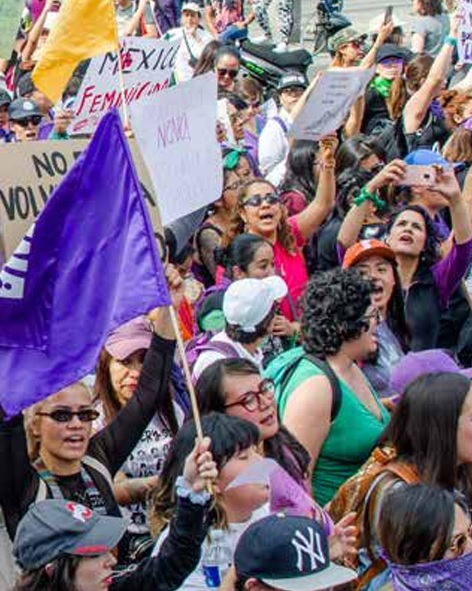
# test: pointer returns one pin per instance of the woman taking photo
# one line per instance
(338, 326)
(64, 546)
(261, 212)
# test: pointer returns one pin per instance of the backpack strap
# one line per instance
(326, 369)
(100, 468)
(225, 349)
(281, 122)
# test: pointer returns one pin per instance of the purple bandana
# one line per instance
(442, 575)
(436, 109)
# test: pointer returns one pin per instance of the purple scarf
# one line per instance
(442, 575)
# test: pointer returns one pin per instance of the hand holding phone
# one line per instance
(420, 175)
(388, 15)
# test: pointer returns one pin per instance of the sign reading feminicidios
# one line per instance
(147, 66)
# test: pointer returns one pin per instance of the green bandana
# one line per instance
(230, 161)
(382, 86)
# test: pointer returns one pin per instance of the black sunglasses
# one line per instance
(258, 200)
(87, 415)
(227, 72)
(27, 120)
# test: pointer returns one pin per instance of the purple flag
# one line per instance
(87, 265)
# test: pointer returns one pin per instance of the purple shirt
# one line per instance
(449, 271)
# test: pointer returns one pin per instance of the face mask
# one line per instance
(453, 574)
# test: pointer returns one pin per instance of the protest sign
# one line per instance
(176, 133)
(147, 69)
(464, 40)
(10, 15)
(329, 102)
(29, 173)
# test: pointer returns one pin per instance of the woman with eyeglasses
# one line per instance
(227, 67)
(210, 235)
(260, 211)
(425, 533)
(338, 430)
(65, 460)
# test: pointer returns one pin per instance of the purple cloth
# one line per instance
(449, 271)
(443, 575)
(88, 265)
(45, 130)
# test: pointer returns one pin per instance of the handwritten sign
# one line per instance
(29, 173)
(10, 15)
(176, 133)
(464, 41)
(329, 102)
(147, 69)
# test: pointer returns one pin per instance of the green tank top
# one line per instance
(352, 435)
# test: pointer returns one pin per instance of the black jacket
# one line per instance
(178, 557)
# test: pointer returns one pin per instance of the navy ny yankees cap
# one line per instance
(289, 553)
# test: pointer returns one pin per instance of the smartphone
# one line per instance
(388, 14)
(421, 175)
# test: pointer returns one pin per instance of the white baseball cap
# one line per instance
(248, 301)
(191, 7)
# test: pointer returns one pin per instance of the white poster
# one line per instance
(176, 133)
(464, 45)
(147, 69)
(329, 102)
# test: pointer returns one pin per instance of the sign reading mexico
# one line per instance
(147, 69)
(29, 173)
(464, 45)
(176, 134)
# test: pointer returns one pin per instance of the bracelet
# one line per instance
(364, 196)
(183, 490)
(452, 41)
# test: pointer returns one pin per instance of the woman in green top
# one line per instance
(338, 326)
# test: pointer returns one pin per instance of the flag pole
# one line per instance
(188, 376)
(121, 79)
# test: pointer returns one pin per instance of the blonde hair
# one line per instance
(30, 417)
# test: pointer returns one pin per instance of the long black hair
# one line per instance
(240, 252)
(59, 577)
(423, 429)
(299, 169)
(283, 447)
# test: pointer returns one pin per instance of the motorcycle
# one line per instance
(326, 22)
(267, 66)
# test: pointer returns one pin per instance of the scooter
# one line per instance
(267, 66)
(326, 22)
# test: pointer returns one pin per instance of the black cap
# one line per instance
(291, 79)
(22, 108)
(5, 98)
(390, 50)
(289, 553)
(55, 527)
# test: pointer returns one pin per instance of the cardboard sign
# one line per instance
(30, 171)
(10, 15)
(147, 69)
(464, 41)
(176, 133)
(329, 102)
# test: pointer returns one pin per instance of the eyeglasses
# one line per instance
(258, 200)
(27, 120)
(459, 542)
(227, 72)
(87, 415)
(234, 186)
(251, 401)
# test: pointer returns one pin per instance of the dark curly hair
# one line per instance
(430, 254)
(334, 307)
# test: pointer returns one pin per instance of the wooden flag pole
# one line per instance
(188, 376)
(121, 80)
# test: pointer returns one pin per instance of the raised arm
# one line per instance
(35, 32)
(311, 218)
(417, 106)
(384, 33)
(352, 224)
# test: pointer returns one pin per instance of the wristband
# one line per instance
(183, 490)
(452, 41)
(364, 196)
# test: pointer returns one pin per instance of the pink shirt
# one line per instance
(293, 269)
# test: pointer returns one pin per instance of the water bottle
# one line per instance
(216, 560)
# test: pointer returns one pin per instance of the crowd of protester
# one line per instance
(324, 303)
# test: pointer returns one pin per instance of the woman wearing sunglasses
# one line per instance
(261, 212)
(65, 460)
(227, 67)
(425, 535)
